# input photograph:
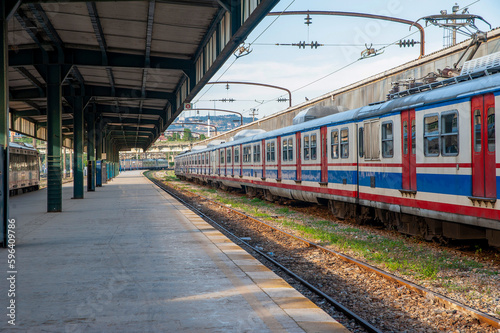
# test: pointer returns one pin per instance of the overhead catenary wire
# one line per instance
(232, 63)
(332, 45)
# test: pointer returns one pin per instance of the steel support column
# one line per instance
(90, 152)
(4, 124)
(54, 135)
(98, 153)
(78, 183)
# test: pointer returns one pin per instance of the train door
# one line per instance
(241, 161)
(409, 150)
(324, 155)
(264, 156)
(483, 147)
(299, 157)
(278, 157)
(232, 161)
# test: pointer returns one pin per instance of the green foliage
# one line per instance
(188, 136)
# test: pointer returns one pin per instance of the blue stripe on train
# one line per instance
(338, 176)
(289, 174)
(432, 183)
(382, 179)
(271, 173)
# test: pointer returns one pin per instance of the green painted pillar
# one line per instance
(4, 124)
(54, 135)
(90, 152)
(78, 183)
(98, 156)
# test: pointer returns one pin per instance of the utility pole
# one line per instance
(253, 113)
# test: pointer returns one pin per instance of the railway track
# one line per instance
(429, 296)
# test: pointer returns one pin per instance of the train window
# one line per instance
(290, 149)
(360, 142)
(285, 150)
(449, 133)
(387, 140)
(431, 135)
(246, 154)
(335, 143)
(236, 155)
(371, 140)
(273, 153)
(413, 138)
(228, 155)
(344, 143)
(306, 147)
(491, 128)
(313, 147)
(270, 154)
(256, 153)
(405, 137)
(202, 158)
(477, 131)
(221, 152)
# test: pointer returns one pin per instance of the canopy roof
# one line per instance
(135, 62)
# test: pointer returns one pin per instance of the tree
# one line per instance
(202, 137)
(188, 136)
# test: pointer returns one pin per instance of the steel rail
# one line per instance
(445, 301)
(367, 325)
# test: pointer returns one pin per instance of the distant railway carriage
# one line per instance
(24, 168)
(144, 164)
(424, 163)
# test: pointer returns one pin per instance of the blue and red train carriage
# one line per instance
(424, 163)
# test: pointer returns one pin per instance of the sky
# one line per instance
(310, 73)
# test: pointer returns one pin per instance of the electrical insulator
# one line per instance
(405, 43)
(308, 20)
(302, 45)
(314, 45)
(282, 99)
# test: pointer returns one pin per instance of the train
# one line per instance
(143, 164)
(422, 162)
(24, 168)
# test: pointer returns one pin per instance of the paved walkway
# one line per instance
(129, 258)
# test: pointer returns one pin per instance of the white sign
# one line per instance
(188, 106)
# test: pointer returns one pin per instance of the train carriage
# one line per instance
(423, 163)
(24, 168)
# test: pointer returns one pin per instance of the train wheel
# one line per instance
(270, 197)
(342, 210)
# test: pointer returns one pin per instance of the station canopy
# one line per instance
(135, 63)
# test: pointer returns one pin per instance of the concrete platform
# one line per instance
(129, 258)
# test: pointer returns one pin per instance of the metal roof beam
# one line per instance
(30, 77)
(99, 33)
(47, 26)
(113, 109)
(81, 57)
(129, 121)
(26, 113)
(65, 122)
(11, 7)
(92, 91)
(131, 131)
(225, 4)
(29, 27)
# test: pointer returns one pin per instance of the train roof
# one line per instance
(454, 89)
(22, 145)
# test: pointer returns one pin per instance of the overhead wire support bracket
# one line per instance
(364, 15)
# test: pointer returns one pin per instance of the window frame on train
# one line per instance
(444, 136)
(344, 153)
(334, 144)
(386, 140)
